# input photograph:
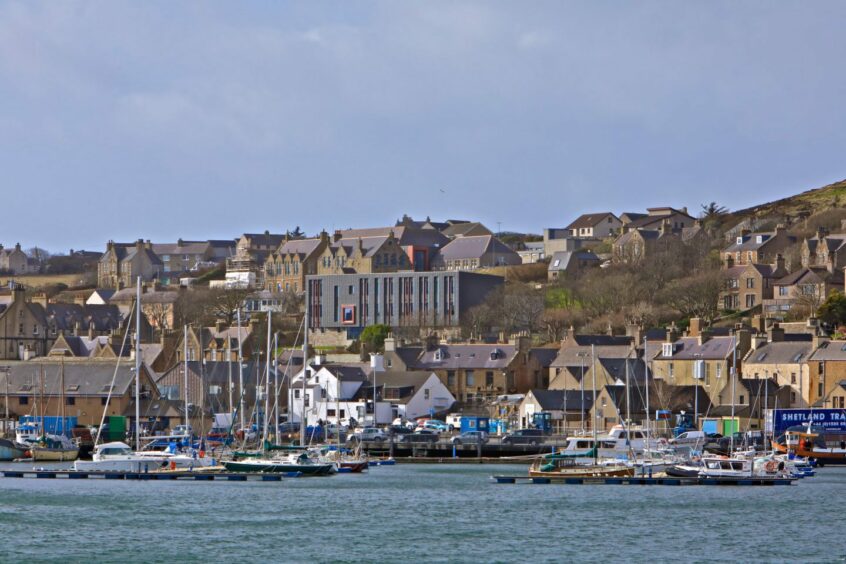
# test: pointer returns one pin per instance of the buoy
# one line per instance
(173, 465)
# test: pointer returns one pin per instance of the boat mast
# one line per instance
(305, 364)
(733, 380)
(646, 379)
(185, 372)
(593, 423)
(62, 397)
(275, 386)
(240, 372)
(138, 365)
(267, 379)
(229, 370)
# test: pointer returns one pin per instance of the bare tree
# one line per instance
(695, 296)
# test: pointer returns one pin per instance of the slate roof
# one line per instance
(82, 378)
(461, 229)
(830, 350)
(780, 352)
(474, 247)
(185, 248)
(750, 241)
(550, 400)
(589, 220)
(568, 356)
(543, 355)
(715, 348)
(265, 239)
(477, 356)
(303, 247)
(563, 259)
(811, 275)
(217, 373)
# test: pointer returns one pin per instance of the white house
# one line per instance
(416, 394)
(344, 391)
(337, 392)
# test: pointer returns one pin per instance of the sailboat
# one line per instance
(118, 456)
(55, 448)
(568, 465)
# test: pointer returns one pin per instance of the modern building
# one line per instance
(340, 306)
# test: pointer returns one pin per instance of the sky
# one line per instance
(198, 120)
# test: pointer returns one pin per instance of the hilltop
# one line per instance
(798, 206)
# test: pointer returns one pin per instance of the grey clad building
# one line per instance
(341, 305)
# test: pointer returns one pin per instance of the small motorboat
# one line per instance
(293, 463)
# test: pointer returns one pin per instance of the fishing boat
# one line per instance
(54, 448)
(10, 450)
(291, 463)
(807, 442)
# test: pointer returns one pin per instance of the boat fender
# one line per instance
(202, 454)
(770, 466)
(173, 465)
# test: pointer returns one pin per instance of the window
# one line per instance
(750, 282)
(70, 401)
(451, 378)
(426, 393)
(670, 369)
(23, 400)
(103, 401)
(741, 400)
(792, 397)
(792, 377)
(297, 394)
(750, 300)
(469, 378)
(782, 290)
(719, 371)
(489, 379)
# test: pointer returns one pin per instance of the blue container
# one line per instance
(469, 423)
(52, 425)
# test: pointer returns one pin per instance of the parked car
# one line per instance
(435, 425)
(368, 434)
(399, 432)
(523, 437)
(422, 436)
(470, 438)
(690, 439)
(402, 422)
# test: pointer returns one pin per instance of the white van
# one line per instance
(453, 420)
(690, 439)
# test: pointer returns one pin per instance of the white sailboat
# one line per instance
(118, 456)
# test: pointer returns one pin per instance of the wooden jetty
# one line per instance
(644, 481)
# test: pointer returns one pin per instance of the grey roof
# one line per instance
(181, 248)
(462, 228)
(590, 220)
(154, 297)
(561, 259)
(550, 400)
(811, 275)
(474, 247)
(715, 348)
(302, 247)
(750, 242)
(265, 239)
(407, 382)
(830, 350)
(543, 355)
(577, 356)
(780, 352)
(477, 356)
(616, 368)
(82, 378)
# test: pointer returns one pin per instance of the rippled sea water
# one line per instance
(417, 512)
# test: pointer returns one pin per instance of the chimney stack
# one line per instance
(695, 328)
(775, 334)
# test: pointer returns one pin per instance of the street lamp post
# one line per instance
(582, 356)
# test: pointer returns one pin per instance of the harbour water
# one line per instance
(419, 512)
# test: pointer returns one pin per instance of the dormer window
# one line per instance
(667, 349)
(759, 239)
(438, 355)
(494, 354)
(740, 240)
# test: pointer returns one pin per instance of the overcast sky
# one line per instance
(206, 120)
